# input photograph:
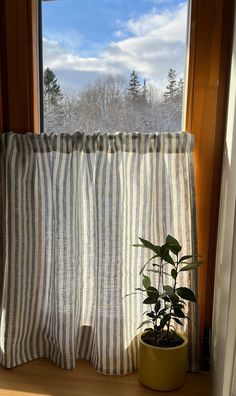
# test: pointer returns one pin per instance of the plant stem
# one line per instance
(160, 275)
(161, 283)
(174, 288)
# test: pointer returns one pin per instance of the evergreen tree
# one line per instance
(52, 89)
(144, 92)
(180, 89)
(134, 86)
(172, 87)
(53, 110)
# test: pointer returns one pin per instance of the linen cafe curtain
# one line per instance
(71, 207)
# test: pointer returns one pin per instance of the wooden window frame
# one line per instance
(209, 53)
(19, 60)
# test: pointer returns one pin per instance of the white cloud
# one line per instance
(70, 38)
(57, 57)
(169, 26)
(155, 42)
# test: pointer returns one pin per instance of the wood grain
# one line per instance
(19, 94)
(211, 32)
(44, 378)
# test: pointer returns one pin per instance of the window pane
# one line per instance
(114, 65)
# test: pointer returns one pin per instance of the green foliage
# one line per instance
(166, 301)
(146, 282)
(52, 89)
(134, 86)
(174, 88)
(137, 93)
(186, 294)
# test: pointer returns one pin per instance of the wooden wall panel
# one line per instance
(18, 58)
(211, 31)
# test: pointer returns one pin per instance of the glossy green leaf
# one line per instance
(165, 255)
(151, 315)
(173, 273)
(143, 323)
(191, 266)
(186, 294)
(166, 318)
(162, 312)
(178, 312)
(180, 305)
(169, 259)
(149, 300)
(157, 306)
(168, 289)
(164, 249)
(178, 321)
(146, 282)
(151, 246)
(173, 244)
(185, 258)
(152, 292)
(174, 298)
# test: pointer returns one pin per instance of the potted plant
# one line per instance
(163, 350)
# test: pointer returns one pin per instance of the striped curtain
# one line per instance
(71, 207)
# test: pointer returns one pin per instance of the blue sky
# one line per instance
(86, 38)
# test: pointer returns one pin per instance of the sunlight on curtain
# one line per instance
(72, 208)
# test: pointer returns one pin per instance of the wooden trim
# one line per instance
(3, 72)
(211, 32)
(34, 64)
(19, 71)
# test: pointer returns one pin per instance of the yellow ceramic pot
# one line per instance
(162, 369)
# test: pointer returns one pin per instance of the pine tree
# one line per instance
(53, 109)
(134, 86)
(172, 87)
(144, 92)
(52, 89)
(180, 89)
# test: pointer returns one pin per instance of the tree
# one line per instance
(53, 109)
(134, 86)
(52, 89)
(110, 104)
(144, 92)
(172, 87)
(180, 90)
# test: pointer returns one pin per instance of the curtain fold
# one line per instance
(71, 207)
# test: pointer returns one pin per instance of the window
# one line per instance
(209, 53)
(118, 66)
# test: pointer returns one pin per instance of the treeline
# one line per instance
(110, 104)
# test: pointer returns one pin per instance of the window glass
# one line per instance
(113, 65)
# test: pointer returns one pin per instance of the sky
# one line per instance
(83, 39)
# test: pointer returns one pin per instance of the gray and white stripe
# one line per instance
(71, 207)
